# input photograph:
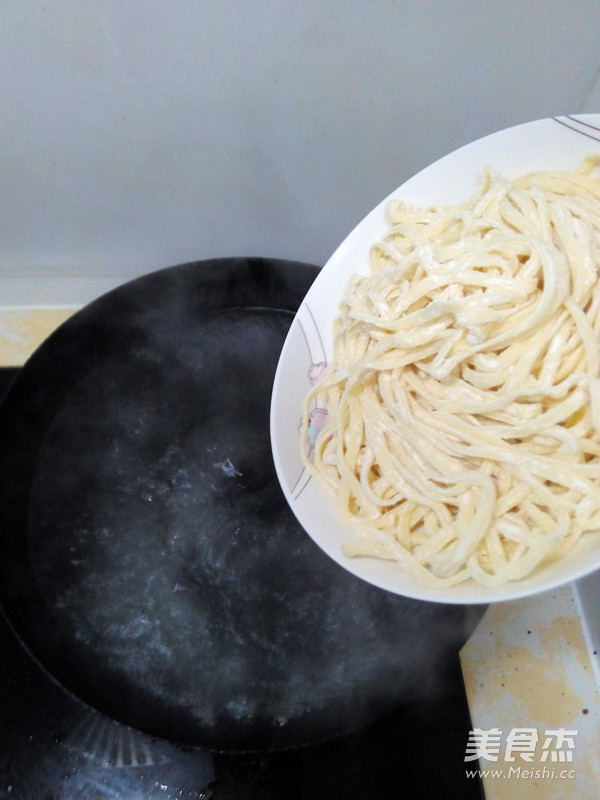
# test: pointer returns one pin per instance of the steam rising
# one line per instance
(179, 579)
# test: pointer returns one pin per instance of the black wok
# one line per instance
(148, 559)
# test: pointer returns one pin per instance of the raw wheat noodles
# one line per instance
(463, 396)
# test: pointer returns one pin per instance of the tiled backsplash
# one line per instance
(140, 135)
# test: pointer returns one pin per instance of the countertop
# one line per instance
(530, 669)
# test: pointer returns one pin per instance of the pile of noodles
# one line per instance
(463, 395)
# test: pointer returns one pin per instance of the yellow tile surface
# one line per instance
(23, 329)
(527, 666)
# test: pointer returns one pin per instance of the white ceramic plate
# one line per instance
(557, 143)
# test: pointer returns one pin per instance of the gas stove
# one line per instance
(55, 747)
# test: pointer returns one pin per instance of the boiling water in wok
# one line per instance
(149, 558)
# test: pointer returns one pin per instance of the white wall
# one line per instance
(135, 134)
